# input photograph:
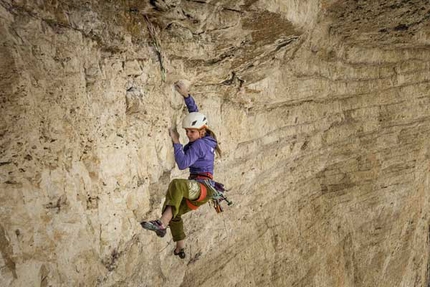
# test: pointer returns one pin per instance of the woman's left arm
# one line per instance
(189, 101)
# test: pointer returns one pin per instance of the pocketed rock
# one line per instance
(320, 107)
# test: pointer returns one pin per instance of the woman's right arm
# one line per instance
(186, 159)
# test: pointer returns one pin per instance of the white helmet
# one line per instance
(194, 121)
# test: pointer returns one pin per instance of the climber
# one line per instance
(184, 195)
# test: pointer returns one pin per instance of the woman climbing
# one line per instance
(198, 155)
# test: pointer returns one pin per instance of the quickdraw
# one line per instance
(216, 188)
(217, 194)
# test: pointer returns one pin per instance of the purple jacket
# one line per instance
(198, 155)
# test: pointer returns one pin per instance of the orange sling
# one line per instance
(203, 193)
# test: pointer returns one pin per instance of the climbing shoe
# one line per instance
(181, 253)
(154, 225)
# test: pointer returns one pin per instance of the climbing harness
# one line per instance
(217, 189)
(217, 195)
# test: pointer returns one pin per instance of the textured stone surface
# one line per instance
(321, 108)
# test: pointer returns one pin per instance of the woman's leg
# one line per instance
(179, 189)
(177, 228)
(180, 245)
(178, 234)
(167, 216)
(175, 206)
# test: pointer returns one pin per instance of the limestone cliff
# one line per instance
(321, 108)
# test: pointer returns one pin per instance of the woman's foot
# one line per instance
(156, 226)
(180, 253)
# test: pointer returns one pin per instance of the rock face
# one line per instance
(321, 108)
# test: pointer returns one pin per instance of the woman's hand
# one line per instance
(174, 135)
(182, 88)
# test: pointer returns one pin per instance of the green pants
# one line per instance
(179, 191)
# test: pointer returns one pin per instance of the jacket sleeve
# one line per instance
(186, 159)
(191, 104)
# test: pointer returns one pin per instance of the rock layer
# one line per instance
(321, 108)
